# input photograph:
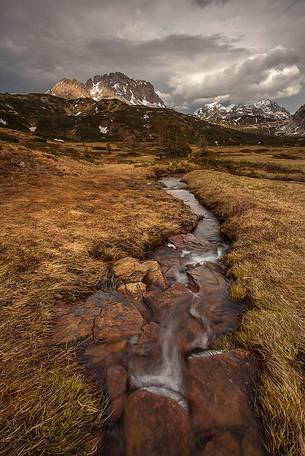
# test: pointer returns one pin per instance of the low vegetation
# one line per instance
(69, 209)
(64, 217)
(265, 219)
(286, 164)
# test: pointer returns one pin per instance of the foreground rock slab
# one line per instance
(117, 320)
(156, 426)
(219, 397)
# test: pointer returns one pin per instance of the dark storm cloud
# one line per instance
(192, 50)
(204, 3)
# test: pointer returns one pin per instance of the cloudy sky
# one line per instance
(193, 51)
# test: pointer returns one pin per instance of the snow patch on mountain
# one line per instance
(261, 111)
(119, 86)
(103, 130)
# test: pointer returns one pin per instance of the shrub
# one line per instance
(173, 142)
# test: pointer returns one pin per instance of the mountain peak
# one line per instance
(119, 85)
(115, 85)
(69, 89)
(260, 112)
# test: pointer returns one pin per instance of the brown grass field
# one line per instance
(68, 209)
(63, 220)
(265, 219)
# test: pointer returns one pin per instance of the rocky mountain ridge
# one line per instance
(110, 86)
(260, 113)
(296, 125)
(48, 116)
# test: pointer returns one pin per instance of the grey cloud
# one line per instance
(204, 3)
(189, 50)
(273, 75)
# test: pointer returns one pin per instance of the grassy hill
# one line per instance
(112, 120)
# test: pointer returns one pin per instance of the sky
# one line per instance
(193, 51)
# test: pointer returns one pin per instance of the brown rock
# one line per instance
(75, 320)
(175, 296)
(117, 320)
(144, 354)
(135, 290)
(156, 426)
(212, 302)
(189, 242)
(129, 270)
(154, 277)
(105, 355)
(219, 392)
(251, 444)
(150, 334)
(224, 444)
(116, 379)
(191, 334)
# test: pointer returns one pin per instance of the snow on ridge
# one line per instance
(264, 109)
(103, 130)
(3, 122)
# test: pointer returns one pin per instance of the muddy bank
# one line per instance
(151, 342)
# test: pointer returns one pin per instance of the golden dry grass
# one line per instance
(258, 161)
(63, 219)
(266, 221)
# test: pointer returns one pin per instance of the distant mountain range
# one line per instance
(47, 116)
(114, 106)
(110, 86)
(263, 111)
(265, 115)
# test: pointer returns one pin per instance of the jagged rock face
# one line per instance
(296, 125)
(262, 112)
(70, 89)
(118, 85)
(110, 86)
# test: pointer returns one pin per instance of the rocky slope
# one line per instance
(110, 86)
(113, 120)
(69, 89)
(118, 85)
(263, 114)
(296, 125)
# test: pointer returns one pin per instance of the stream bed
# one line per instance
(151, 341)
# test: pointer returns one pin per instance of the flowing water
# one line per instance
(173, 355)
(194, 311)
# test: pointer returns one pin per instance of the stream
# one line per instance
(151, 342)
(198, 308)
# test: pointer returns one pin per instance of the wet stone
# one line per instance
(162, 302)
(116, 380)
(117, 320)
(220, 395)
(76, 320)
(129, 270)
(156, 426)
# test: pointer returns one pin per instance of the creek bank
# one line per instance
(150, 341)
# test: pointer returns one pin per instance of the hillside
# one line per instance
(86, 119)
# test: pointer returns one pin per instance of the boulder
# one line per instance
(76, 320)
(154, 277)
(133, 290)
(162, 302)
(156, 426)
(144, 355)
(129, 270)
(223, 444)
(116, 380)
(117, 320)
(219, 394)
